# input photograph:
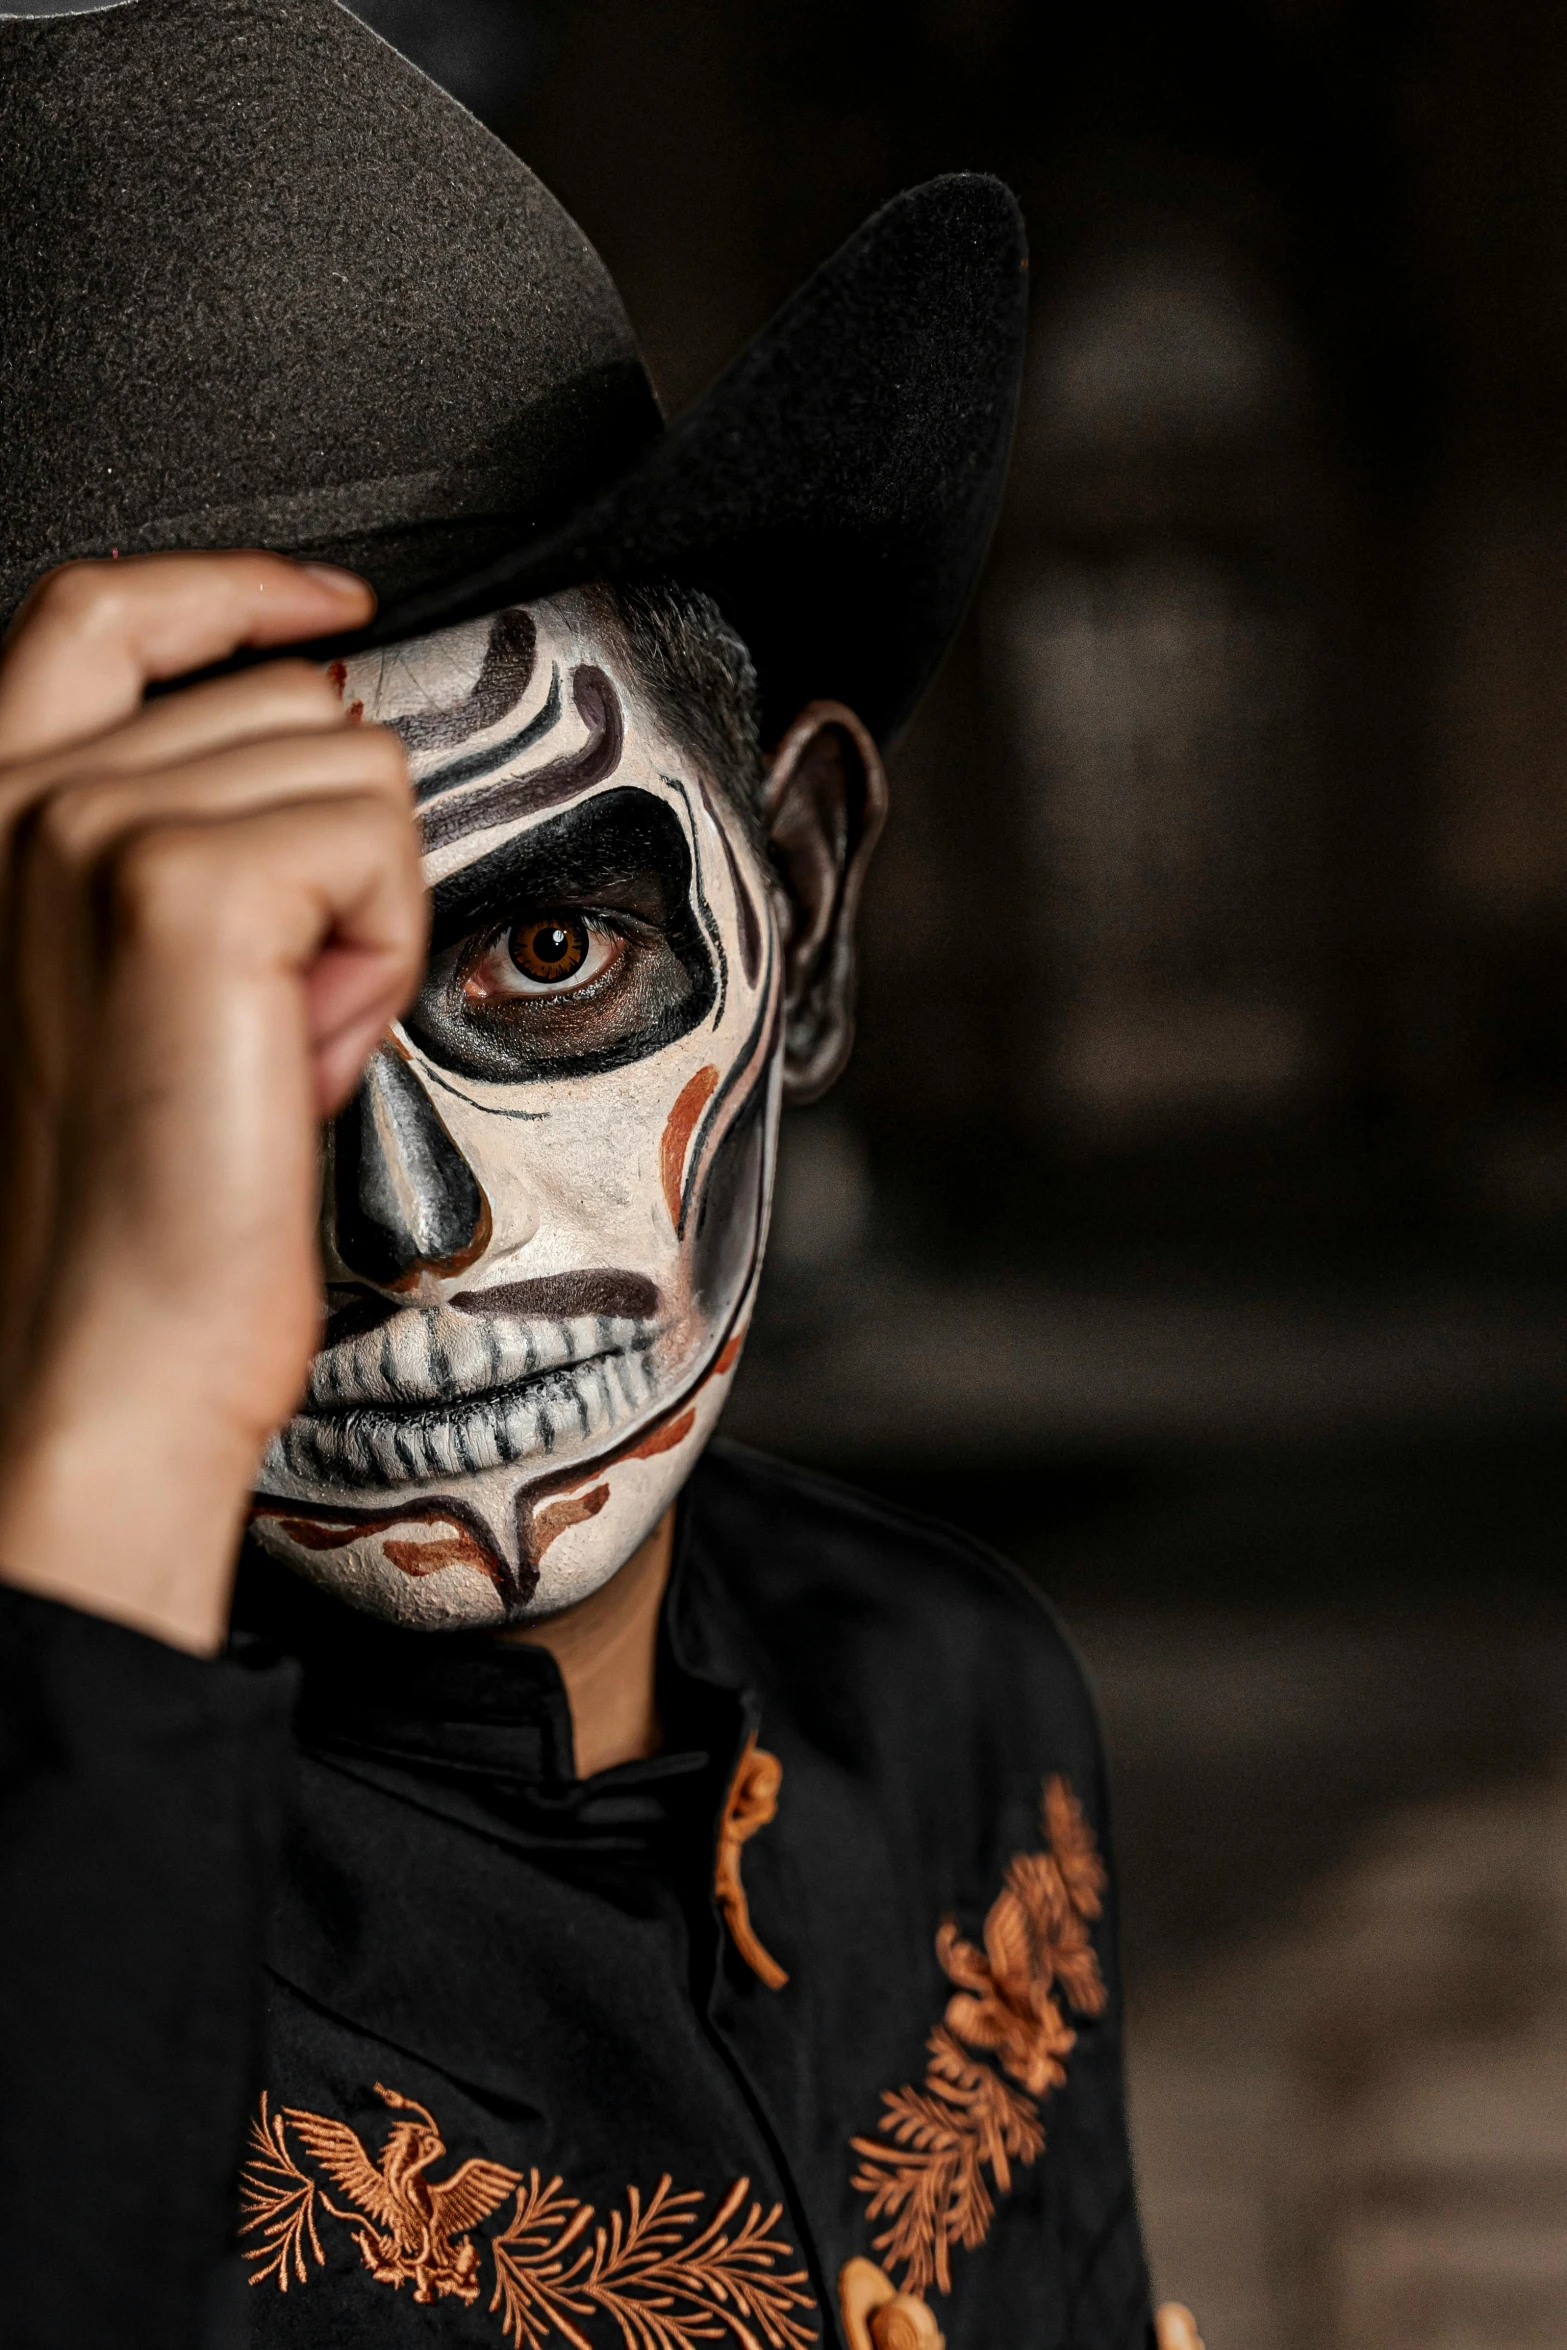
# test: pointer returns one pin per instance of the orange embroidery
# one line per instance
(410, 2229)
(930, 2182)
(663, 2287)
(280, 2202)
(663, 2292)
(751, 1802)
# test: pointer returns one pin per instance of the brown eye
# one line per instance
(544, 955)
(549, 948)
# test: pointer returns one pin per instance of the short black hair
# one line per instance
(701, 682)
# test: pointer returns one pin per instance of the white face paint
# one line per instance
(545, 1212)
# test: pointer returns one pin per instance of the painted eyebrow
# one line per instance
(504, 676)
(616, 837)
(477, 763)
(598, 705)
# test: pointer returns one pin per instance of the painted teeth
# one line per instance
(428, 1354)
(373, 1437)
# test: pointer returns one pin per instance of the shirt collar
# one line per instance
(467, 1704)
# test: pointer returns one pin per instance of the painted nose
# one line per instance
(405, 1200)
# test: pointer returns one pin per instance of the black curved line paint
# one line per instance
(598, 705)
(490, 1109)
(739, 1067)
(709, 920)
(447, 778)
(750, 927)
(727, 1211)
(504, 677)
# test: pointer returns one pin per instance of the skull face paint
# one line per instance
(545, 1209)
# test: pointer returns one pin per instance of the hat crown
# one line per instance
(265, 280)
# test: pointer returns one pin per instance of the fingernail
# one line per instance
(338, 582)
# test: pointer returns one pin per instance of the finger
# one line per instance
(322, 903)
(92, 636)
(280, 698)
(64, 858)
(348, 1012)
(1175, 2328)
(80, 822)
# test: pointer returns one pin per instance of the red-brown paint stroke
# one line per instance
(338, 673)
(536, 1517)
(423, 1558)
(557, 1516)
(748, 1070)
(690, 1102)
(664, 1439)
(463, 1545)
(529, 1500)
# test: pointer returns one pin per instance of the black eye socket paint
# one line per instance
(625, 851)
(598, 849)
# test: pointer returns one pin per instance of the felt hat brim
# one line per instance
(836, 489)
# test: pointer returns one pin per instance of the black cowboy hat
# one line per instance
(268, 285)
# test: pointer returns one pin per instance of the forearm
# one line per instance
(139, 1788)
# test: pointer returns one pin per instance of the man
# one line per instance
(603, 1890)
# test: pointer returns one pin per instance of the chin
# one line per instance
(507, 1540)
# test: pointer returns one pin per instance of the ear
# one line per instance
(823, 806)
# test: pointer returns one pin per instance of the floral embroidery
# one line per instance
(279, 2201)
(968, 2120)
(751, 1802)
(663, 2286)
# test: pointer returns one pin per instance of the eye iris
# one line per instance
(554, 947)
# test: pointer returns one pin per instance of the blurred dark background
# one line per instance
(1193, 1224)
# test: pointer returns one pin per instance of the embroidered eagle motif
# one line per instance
(410, 2228)
(653, 2272)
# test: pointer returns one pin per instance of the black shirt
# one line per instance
(492, 2062)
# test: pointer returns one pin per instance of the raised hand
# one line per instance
(212, 908)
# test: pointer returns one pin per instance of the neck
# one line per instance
(607, 1650)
